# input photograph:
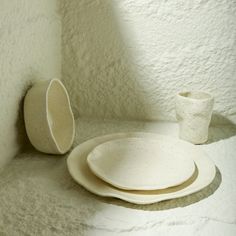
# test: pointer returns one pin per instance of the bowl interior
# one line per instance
(60, 116)
(196, 95)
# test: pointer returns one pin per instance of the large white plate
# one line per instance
(141, 163)
(80, 172)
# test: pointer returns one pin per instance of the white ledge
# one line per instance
(38, 196)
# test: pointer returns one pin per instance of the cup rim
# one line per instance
(207, 98)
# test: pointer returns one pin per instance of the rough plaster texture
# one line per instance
(30, 38)
(39, 198)
(127, 59)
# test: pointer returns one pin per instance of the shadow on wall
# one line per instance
(97, 68)
(99, 73)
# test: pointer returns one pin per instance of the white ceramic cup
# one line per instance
(49, 120)
(193, 112)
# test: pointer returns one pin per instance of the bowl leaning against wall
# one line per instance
(48, 116)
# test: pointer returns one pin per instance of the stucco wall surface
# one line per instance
(30, 37)
(127, 59)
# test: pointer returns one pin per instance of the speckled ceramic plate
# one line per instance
(80, 172)
(141, 163)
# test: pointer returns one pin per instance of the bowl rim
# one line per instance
(59, 149)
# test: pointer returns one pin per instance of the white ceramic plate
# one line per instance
(141, 163)
(80, 172)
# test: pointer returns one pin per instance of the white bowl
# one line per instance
(49, 120)
(141, 163)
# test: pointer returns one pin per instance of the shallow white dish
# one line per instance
(80, 172)
(141, 163)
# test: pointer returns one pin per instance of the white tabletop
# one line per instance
(38, 196)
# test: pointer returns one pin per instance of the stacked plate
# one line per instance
(140, 168)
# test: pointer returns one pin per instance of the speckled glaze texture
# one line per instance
(127, 59)
(29, 49)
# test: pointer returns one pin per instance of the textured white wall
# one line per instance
(30, 33)
(127, 58)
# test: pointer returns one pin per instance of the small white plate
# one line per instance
(141, 163)
(80, 172)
